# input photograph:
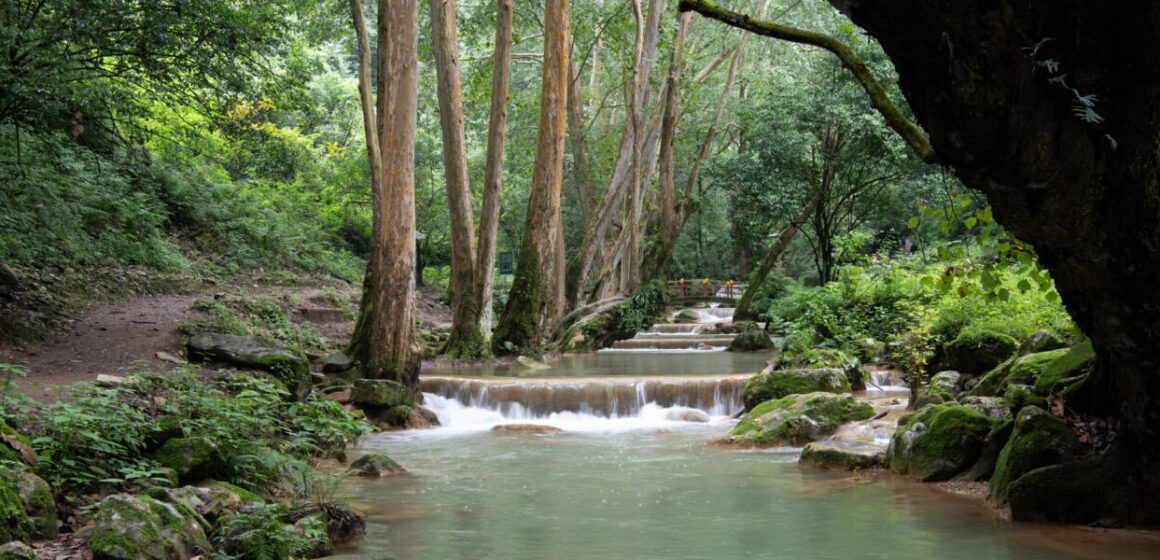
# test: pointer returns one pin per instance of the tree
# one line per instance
(384, 337)
(537, 295)
(1051, 111)
(465, 339)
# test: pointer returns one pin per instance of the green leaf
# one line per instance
(945, 226)
(913, 223)
(970, 222)
(1024, 285)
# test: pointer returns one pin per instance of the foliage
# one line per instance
(258, 534)
(261, 316)
(102, 437)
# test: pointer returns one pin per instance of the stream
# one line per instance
(629, 477)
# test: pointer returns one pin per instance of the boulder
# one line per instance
(775, 384)
(1040, 439)
(817, 358)
(194, 458)
(932, 398)
(17, 550)
(938, 442)
(1079, 492)
(142, 528)
(946, 383)
(211, 501)
(375, 464)
(161, 430)
(16, 447)
(525, 429)
(1021, 369)
(1041, 341)
(686, 316)
(380, 393)
(991, 407)
(1061, 375)
(977, 351)
(1019, 396)
(337, 363)
(687, 415)
(289, 366)
(796, 419)
(825, 455)
(27, 510)
(752, 340)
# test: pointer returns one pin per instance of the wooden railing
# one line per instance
(705, 288)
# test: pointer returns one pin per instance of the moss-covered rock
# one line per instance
(938, 442)
(375, 464)
(16, 523)
(932, 399)
(17, 550)
(1019, 396)
(1080, 491)
(230, 492)
(1023, 370)
(752, 340)
(829, 456)
(991, 407)
(194, 458)
(1040, 439)
(163, 429)
(380, 393)
(946, 383)
(686, 316)
(1041, 341)
(39, 504)
(977, 351)
(775, 384)
(796, 419)
(1061, 373)
(287, 365)
(337, 363)
(850, 365)
(142, 528)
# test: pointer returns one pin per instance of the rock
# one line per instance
(400, 416)
(380, 393)
(341, 396)
(194, 458)
(752, 340)
(946, 383)
(375, 465)
(687, 415)
(167, 357)
(938, 442)
(1058, 376)
(22, 450)
(337, 363)
(796, 419)
(528, 362)
(1022, 370)
(17, 550)
(1018, 396)
(1040, 439)
(991, 407)
(163, 429)
(935, 398)
(288, 366)
(686, 316)
(775, 384)
(817, 358)
(425, 417)
(525, 429)
(1079, 492)
(317, 379)
(9, 281)
(113, 381)
(829, 456)
(978, 351)
(142, 528)
(27, 510)
(211, 501)
(1041, 341)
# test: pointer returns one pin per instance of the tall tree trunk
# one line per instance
(537, 294)
(465, 339)
(493, 174)
(384, 336)
(756, 284)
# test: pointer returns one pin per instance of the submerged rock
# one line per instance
(775, 384)
(528, 362)
(687, 415)
(289, 366)
(938, 442)
(142, 528)
(1040, 439)
(796, 419)
(829, 456)
(525, 429)
(375, 464)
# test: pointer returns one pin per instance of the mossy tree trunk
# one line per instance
(537, 294)
(465, 339)
(384, 337)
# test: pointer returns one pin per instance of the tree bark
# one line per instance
(537, 294)
(576, 130)
(493, 173)
(741, 312)
(384, 337)
(465, 339)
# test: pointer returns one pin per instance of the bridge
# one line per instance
(693, 290)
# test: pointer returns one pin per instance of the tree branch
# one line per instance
(909, 132)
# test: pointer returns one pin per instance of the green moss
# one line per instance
(517, 326)
(1039, 439)
(976, 351)
(752, 340)
(15, 525)
(190, 456)
(779, 383)
(111, 544)
(1075, 361)
(824, 455)
(797, 419)
(939, 442)
(1027, 369)
(244, 495)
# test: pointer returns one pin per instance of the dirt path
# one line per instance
(117, 338)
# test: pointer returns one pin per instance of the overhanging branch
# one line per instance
(909, 132)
